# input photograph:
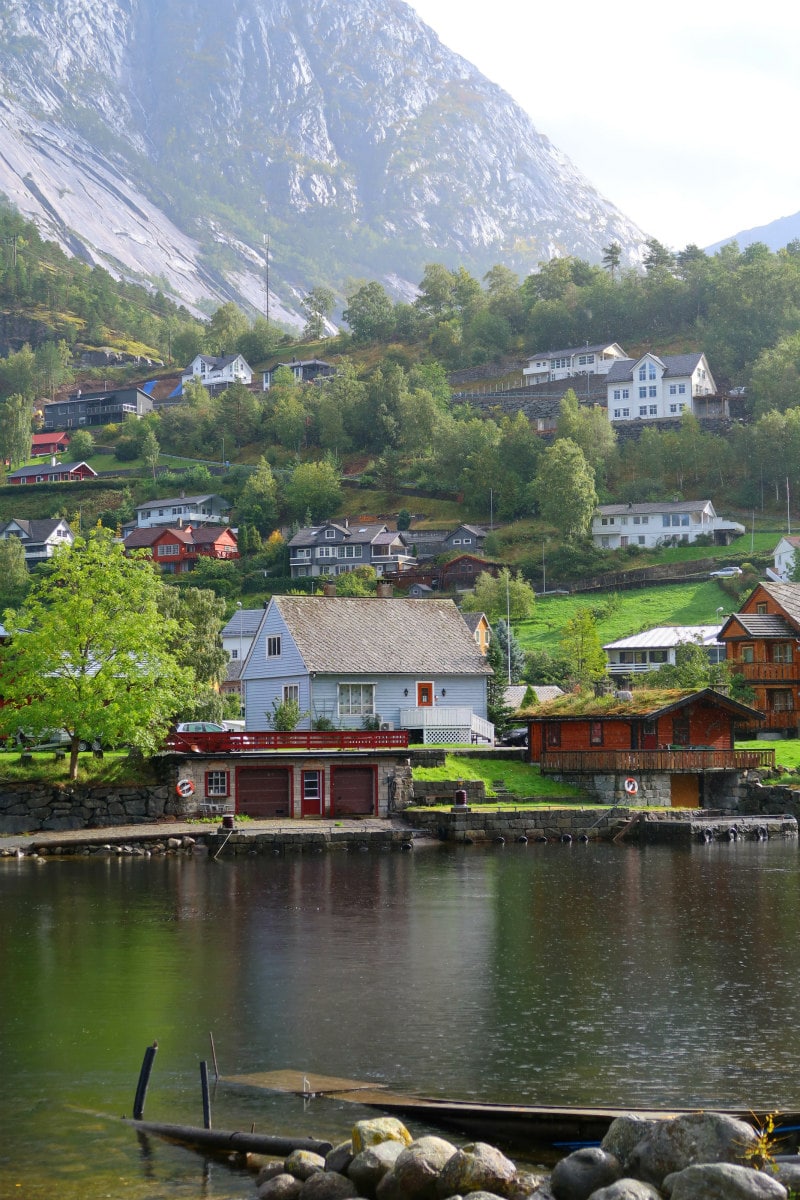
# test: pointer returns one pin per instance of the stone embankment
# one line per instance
(28, 807)
(698, 1156)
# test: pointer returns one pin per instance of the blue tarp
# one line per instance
(147, 388)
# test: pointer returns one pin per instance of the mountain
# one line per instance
(776, 235)
(172, 141)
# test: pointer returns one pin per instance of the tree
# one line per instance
(15, 429)
(151, 451)
(90, 651)
(692, 668)
(285, 715)
(225, 328)
(198, 615)
(369, 313)
(317, 305)
(81, 445)
(258, 502)
(612, 257)
(580, 644)
(53, 368)
(658, 259)
(15, 579)
(314, 488)
(360, 582)
(496, 597)
(498, 712)
(588, 427)
(564, 489)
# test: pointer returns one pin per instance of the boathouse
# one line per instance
(648, 746)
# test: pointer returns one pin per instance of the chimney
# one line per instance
(385, 591)
(329, 590)
(53, 460)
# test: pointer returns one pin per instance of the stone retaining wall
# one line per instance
(28, 807)
(514, 825)
(443, 792)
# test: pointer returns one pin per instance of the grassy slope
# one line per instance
(635, 610)
(518, 777)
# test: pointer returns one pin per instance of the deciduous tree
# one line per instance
(90, 651)
(564, 488)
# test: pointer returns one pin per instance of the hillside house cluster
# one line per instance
(655, 524)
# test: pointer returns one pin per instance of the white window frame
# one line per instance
(291, 691)
(356, 699)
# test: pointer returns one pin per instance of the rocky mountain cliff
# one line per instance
(170, 139)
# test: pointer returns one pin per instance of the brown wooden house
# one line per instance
(648, 732)
(763, 645)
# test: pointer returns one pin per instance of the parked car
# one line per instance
(200, 727)
(515, 737)
(725, 573)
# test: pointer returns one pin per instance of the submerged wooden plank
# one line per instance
(301, 1083)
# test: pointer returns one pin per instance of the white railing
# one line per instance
(441, 716)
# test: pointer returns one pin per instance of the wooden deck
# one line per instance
(236, 742)
(670, 761)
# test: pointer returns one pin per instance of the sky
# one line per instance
(683, 115)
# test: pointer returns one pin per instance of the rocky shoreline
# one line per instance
(697, 1156)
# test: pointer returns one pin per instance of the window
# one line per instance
(312, 785)
(218, 783)
(642, 408)
(641, 540)
(643, 371)
(673, 408)
(234, 653)
(642, 393)
(165, 550)
(626, 393)
(626, 412)
(652, 391)
(595, 733)
(330, 533)
(617, 394)
(623, 520)
(350, 551)
(681, 389)
(658, 656)
(782, 652)
(616, 414)
(456, 541)
(274, 646)
(651, 370)
(747, 653)
(326, 552)
(781, 699)
(653, 410)
(467, 541)
(673, 391)
(552, 734)
(761, 608)
(356, 699)
(291, 693)
(680, 731)
(305, 552)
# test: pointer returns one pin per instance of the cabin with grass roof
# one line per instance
(648, 746)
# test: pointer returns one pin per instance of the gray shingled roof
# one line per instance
(355, 534)
(675, 366)
(765, 625)
(182, 500)
(244, 623)
(345, 636)
(597, 349)
(648, 507)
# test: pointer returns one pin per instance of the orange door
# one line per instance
(685, 791)
(424, 695)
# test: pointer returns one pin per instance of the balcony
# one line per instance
(767, 672)
(692, 760)
(233, 741)
(442, 723)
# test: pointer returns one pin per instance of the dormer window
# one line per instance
(330, 533)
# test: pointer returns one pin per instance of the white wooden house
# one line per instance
(393, 663)
(215, 371)
(654, 388)
(658, 523)
(549, 365)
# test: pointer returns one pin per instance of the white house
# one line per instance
(397, 663)
(39, 538)
(652, 524)
(783, 559)
(217, 370)
(651, 388)
(549, 365)
(656, 647)
(183, 510)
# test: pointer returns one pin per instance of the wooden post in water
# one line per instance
(214, 1056)
(206, 1098)
(144, 1079)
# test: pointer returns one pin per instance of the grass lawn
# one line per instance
(632, 611)
(787, 750)
(115, 766)
(520, 778)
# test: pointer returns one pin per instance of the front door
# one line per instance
(311, 803)
(649, 735)
(424, 695)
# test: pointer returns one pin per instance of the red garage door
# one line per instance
(264, 791)
(353, 791)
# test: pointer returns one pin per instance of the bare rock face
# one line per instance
(582, 1173)
(671, 1146)
(417, 1170)
(723, 1181)
(477, 1167)
(149, 135)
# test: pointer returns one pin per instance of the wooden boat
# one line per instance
(553, 1129)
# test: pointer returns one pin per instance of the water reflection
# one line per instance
(576, 974)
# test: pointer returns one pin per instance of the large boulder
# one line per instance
(339, 1158)
(723, 1181)
(368, 1168)
(477, 1167)
(377, 1130)
(280, 1187)
(303, 1164)
(627, 1189)
(583, 1172)
(625, 1133)
(788, 1174)
(693, 1138)
(327, 1185)
(525, 1184)
(417, 1170)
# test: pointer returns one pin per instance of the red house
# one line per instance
(763, 644)
(176, 550)
(52, 473)
(654, 740)
(48, 444)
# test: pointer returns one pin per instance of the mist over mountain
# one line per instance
(169, 139)
(776, 235)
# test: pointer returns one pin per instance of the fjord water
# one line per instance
(539, 974)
